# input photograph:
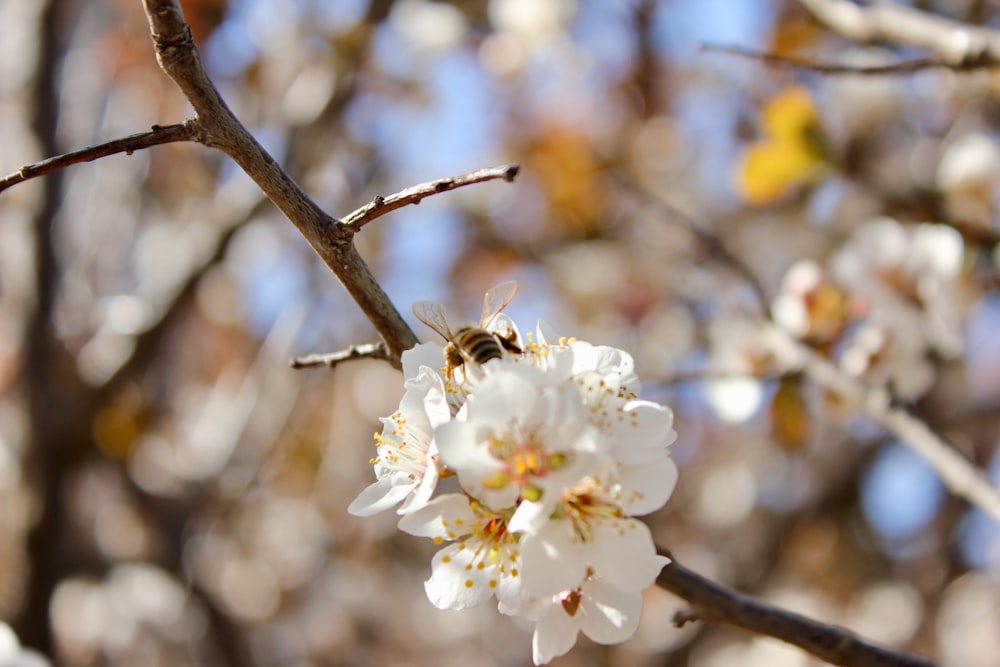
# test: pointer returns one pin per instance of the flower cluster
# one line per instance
(530, 471)
(888, 304)
(885, 308)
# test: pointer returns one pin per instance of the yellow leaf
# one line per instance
(790, 115)
(770, 169)
(789, 155)
(114, 431)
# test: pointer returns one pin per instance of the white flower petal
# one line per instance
(605, 614)
(445, 517)
(462, 446)
(502, 398)
(530, 515)
(648, 485)
(621, 551)
(642, 429)
(609, 615)
(555, 634)
(430, 355)
(434, 402)
(422, 494)
(561, 416)
(456, 583)
(381, 495)
(10, 645)
(553, 559)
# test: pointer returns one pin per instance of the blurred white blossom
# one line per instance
(736, 361)
(810, 306)
(524, 30)
(968, 174)
(431, 28)
(972, 162)
(12, 654)
(907, 280)
(532, 20)
(889, 301)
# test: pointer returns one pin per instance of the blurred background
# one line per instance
(172, 493)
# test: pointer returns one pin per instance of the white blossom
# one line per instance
(907, 279)
(518, 438)
(637, 434)
(889, 302)
(530, 469)
(405, 468)
(586, 532)
(482, 557)
(606, 614)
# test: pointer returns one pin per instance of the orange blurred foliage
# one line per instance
(567, 167)
(790, 414)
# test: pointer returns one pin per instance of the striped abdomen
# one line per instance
(477, 345)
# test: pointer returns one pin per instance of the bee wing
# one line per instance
(432, 314)
(496, 300)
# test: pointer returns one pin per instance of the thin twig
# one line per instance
(957, 473)
(890, 69)
(331, 359)
(961, 45)
(712, 244)
(707, 375)
(379, 206)
(164, 134)
(714, 602)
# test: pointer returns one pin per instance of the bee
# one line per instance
(472, 345)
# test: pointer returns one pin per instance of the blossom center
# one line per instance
(524, 457)
(587, 505)
(402, 447)
(491, 543)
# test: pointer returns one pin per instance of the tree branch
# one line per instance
(187, 131)
(331, 239)
(714, 602)
(960, 45)
(331, 359)
(890, 69)
(48, 390)
(713, 245)
(379, 206)
(957, 473)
